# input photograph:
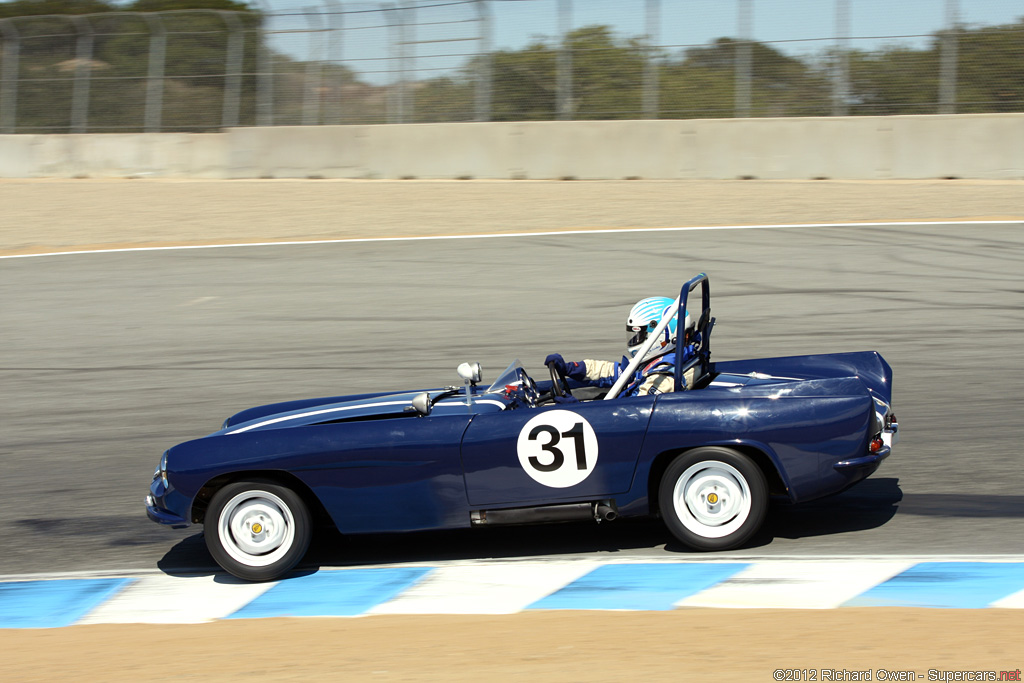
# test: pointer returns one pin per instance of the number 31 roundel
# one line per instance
(558, 448)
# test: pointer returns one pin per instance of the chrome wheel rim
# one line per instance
(712, 499)
(256, 528)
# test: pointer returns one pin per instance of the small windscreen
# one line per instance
(509, 375)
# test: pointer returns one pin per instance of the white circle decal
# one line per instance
(558, 448)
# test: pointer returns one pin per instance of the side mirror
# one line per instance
(421, 403)
(470, 372)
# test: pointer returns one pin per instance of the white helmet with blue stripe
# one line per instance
(644, 318)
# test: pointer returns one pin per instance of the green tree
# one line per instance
(177, 5)
(904, 80)
(524, 84)
(608, 81)
(703, 83)
(607, 77)
(446, 99)
(29, 8)
(195, 72)
(990, 69)
(897, 80)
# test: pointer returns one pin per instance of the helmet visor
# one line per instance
(638, 335)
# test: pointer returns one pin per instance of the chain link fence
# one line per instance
(341, 62)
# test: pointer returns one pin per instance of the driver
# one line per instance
(655, 374)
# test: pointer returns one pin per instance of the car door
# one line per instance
(556, 452)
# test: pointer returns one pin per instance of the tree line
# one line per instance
(609, 74)
(608, 79)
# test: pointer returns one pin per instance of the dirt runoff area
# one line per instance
(692, 644)
(685, 645)
(60, 215)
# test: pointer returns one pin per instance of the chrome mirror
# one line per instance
(421, 403)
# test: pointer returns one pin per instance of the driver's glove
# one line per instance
(572, 370)
(566, 399)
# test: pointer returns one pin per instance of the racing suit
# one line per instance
(656, 376)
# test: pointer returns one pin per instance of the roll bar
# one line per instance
(678, 308)
(704, 321)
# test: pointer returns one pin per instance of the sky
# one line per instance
(690, 22)
(695, 22)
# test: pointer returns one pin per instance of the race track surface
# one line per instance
(108, 359)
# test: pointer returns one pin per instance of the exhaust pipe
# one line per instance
(601, 511)
(605, 511)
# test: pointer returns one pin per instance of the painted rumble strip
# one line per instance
(45, 604)
(946, 584)
(638, 586)
(346, 593)
(512, 586)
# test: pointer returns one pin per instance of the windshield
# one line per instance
(509, 375)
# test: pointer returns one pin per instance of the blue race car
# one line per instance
(706, 457)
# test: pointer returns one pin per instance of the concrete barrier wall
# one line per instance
(963, 146)
(141, 155)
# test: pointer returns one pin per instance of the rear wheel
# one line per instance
(257, 530)
(713, 498)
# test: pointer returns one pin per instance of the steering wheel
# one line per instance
(529, 388)
(559, 384)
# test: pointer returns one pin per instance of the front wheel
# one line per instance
(713, 498)
(257, 530)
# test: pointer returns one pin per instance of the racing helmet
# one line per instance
(644, 318)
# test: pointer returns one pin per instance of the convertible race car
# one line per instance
(706, 457)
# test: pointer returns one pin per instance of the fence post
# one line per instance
(743, 58)
(314, 67)
(335, 46)
(399, 100)
(83, 71)
(394, 112)
(564, 66)
(841, 60)
(408, 61)
(947, 69)
(485, 62)
(232, 69)
(265, 67)
(651, 65)
(9, 77)
(155, 75)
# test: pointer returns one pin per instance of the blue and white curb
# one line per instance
(513, 586)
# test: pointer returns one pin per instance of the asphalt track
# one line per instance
(107, 359)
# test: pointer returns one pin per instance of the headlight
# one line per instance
(161, 470)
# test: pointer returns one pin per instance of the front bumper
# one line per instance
(162, 506)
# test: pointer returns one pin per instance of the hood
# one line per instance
(355, 408)
(320, 411)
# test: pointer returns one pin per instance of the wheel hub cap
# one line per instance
(256, 528)
(712, 499)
